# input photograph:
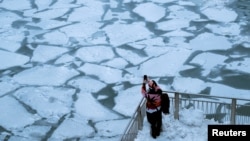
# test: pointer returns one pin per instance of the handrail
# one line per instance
(140, 109)
(136, 121)
(205, 95)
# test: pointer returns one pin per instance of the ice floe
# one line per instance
(16, 5)
(87, 84)
(125, 106)
(14, 119)
(170, 68)
(153, 13)
(208, 41)
(12, 59)
(188, 85)
(171, 25)
(95, 54)
(89, 108)
(51, 103)
(6, 86)
(104, 73)
(45, 75)
(125, 33)
(72, 128)
(45, 53)
(241, 66)
(208, 61)
(219, 14)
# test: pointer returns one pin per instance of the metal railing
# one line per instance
(224, 110)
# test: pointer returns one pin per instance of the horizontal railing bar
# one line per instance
(205, 95)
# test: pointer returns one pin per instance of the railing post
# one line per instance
(176, 106)
(140, 119)
(233, 111)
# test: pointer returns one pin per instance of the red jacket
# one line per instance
(153, 96)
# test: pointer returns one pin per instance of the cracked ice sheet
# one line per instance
(54, 75)
(216, 90)
(109, 128)
(47, 24)
(188, 85)
(220, 14)
(111, 75)
(208, 61)
(33, 132)
(121, 16)
(9, 45)
(16, 4)
(49, 102)
(7, 18)
(75, 127)
(130, 56)
(215, 42)
(87, 30)
(54, 37)
(119, 63)
(13, 115)
(120, 34)
(12, 59)
(45, 53)
(47, 14)
(173, 24)
(90, 109)
(128, 107)
(95, 53)
(227, 29)
(180, 12)
(154, 42)
(153, 12)
(65, 59)
(7, 86)
(87, 84)
(93, 12)
(241, 66)
(167, 64)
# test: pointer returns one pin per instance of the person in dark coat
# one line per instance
(153, 105)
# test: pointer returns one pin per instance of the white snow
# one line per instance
(191, 127)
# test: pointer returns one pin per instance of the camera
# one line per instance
(145, 78)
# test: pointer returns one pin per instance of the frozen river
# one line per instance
(72, 69)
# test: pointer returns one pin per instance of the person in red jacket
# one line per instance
(153, 105)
